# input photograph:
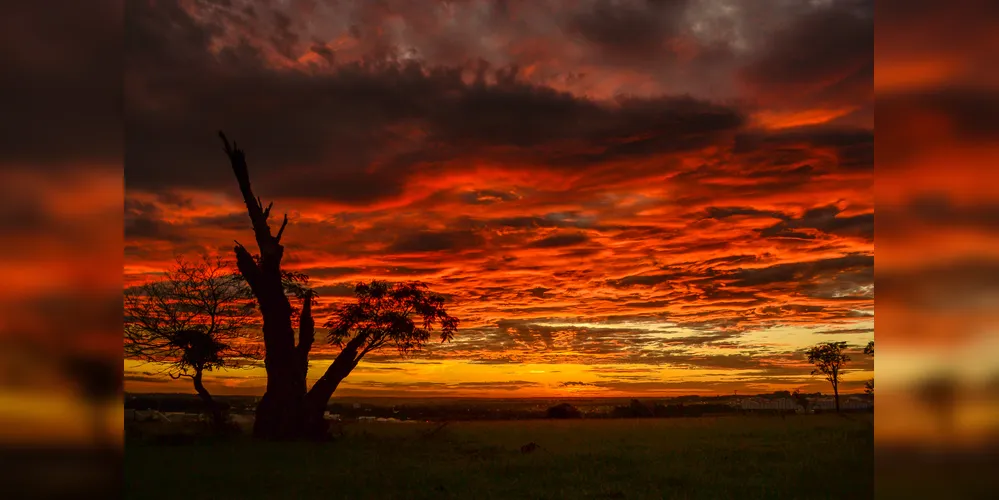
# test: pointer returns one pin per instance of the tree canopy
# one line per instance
(193, 320)
(402, 315)
(829, 358)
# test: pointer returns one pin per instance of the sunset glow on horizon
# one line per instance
(634, 198)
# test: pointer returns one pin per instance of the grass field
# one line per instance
(815, 456)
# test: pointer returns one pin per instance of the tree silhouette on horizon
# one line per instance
(382, 315)
(829, 358)
(192, 321)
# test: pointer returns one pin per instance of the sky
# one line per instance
(630, 198)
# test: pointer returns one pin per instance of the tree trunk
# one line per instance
(281, 410)
(218, 421)
(279, 413)
(319, 396)
(315, 426)
(836, 395)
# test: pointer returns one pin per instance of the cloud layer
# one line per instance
(679, 184)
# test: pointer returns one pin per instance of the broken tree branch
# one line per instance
(281, 231)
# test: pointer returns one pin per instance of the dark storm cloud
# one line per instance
(721, 213)
(238, 221)
(803, 271)
(657, 126)
(436, 241)
(642, 280)
(631, 33)
(819, 278)
(810, 56)
(144, 221)
(560, 240)
(854, 147)
(355, 133)
(824, 219)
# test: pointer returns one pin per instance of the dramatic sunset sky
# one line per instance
(634, 197)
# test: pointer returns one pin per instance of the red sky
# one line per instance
(620, 198)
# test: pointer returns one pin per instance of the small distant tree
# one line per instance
(869, 385)
(829, 358)
(192, 321)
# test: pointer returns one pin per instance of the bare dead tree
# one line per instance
(192, 321)
(402, 316)
(282, 408)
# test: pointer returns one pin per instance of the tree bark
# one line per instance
(218, 421)
(280, 411)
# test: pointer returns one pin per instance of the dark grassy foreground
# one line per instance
(818, 456)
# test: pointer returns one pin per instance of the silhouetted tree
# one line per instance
(281, 410)
(402, 315)
(869, 385)
(193, 321)
(383, 315)
(829, 358)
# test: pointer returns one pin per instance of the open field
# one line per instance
(813, 456)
